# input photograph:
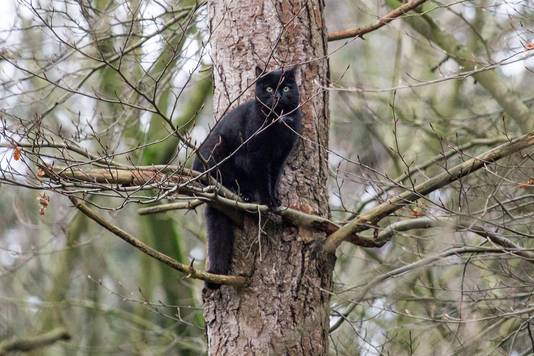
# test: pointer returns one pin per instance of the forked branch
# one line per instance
(364, 221)
(225, 200)
(384, 20)
(138, 244)
(337, 234)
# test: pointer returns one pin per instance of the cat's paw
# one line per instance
(273, 203)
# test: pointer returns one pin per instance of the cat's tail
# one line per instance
(220, 243)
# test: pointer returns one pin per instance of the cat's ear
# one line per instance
(291, 71)
(259, 71)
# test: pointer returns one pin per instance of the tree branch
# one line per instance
(227, 202)
(33, 342)
(384, 20)
(348, 232)
(507, 99)
(427, 222)
(368, 286)
(365, 221)
(421, 167)
(161, 208)
(138, 244)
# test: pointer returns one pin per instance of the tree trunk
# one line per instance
(285, 308)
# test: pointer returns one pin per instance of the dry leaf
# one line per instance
(417, 212)
(17, 153)
(44, 201)
(528, 184)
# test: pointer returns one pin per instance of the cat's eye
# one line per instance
(286, 89)
(269, 90)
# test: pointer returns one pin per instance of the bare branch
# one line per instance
(365, 221)
(368, 286)
(161, 208)
(441, 157)
(430, 222)
(138, 244)
(145, 176)
(31, 343)
(384, 20)
(510, 102)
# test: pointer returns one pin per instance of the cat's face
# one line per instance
(277, 91)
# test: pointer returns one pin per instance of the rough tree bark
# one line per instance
(284, 310)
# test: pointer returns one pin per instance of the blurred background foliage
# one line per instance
(115, 77)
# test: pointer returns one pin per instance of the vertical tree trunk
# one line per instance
(285, 308)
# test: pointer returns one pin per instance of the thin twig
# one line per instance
(138, 244)
(384, 20)
(188, 205)
(365, 221)
(144, 176)
(430, 222)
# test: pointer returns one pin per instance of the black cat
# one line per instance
(246, 152)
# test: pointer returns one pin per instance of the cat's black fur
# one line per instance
(248, 148)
